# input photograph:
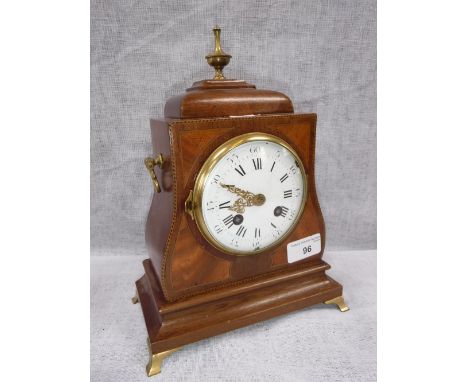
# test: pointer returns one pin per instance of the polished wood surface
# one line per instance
(211, 98)
(190, 290)
(174, 324)
(158, 223)
(185, 262)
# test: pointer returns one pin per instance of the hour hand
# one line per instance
(250, 198)
(239, 206)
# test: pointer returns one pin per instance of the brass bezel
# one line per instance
(208, 166)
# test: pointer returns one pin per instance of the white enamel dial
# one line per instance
(252, 195)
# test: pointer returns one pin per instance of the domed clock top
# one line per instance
(221, 97)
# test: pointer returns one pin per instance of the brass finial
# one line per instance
(218, 59)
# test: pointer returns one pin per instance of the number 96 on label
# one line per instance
(303, 248)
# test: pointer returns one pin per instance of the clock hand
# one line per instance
(244, 194)
(239, 206)
(250, 198)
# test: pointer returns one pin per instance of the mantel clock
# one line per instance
(235, 233)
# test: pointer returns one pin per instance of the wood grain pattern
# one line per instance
(211, 98)
(190, 290)
(174, 324)
(188, 264)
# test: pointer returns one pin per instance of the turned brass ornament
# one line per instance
(218, 59)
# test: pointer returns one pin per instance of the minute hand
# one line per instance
(249, 197)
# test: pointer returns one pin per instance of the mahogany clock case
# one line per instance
(191, 290)
(184, 262)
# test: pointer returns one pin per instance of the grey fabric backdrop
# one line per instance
(320, 53)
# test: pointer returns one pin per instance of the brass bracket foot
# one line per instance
(155, 360)
(339, 302)
(135, 299)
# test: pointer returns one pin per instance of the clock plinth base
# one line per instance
(171, 325)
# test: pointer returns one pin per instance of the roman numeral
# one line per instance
(241, 231)
(287, 194)
(284, 177)
(225, 205)
(272, 166)
(257, 232)
(240, 170)
(284, 211)
(257, 162)
(228, 221)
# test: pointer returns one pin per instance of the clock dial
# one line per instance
(252, 193)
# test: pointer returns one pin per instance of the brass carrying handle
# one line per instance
(150, 163)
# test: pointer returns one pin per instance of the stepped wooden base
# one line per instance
(171, 325)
